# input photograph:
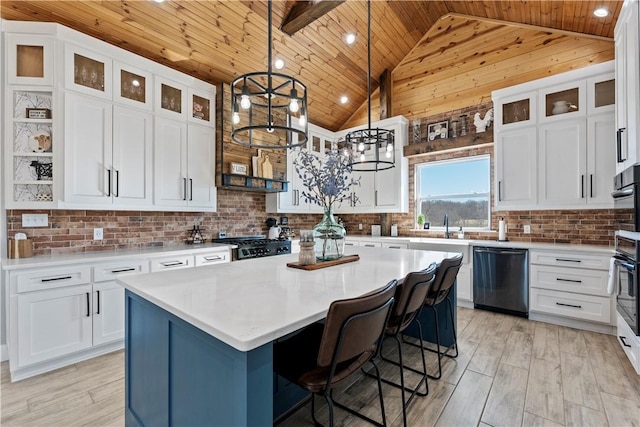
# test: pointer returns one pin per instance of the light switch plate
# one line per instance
(527, 229)
(375, 230)
(35, 220)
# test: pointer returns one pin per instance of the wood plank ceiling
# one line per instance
(219, 40)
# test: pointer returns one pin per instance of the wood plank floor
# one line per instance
(510, 372)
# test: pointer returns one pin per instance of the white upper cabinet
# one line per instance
(170, 99)
(133, 86)
(200, 157)
(87, 72)
(170, 162)
(29, 59)
(627, 71)
(562, 156)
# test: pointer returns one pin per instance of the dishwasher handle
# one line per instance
(501, 251)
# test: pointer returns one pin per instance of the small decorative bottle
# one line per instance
(454, 129)
(463, 125)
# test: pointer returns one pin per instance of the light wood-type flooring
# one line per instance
(510, 372)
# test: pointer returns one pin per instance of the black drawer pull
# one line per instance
(369, 245)
(53, 279)
(395, 247)
(123, 270)
(568, 280)
(568, 305)
(568, 260)
(98, 311)
(88, 312)
(624, 343)
(172, 263)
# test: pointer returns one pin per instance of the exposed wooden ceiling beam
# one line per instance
(305, 12)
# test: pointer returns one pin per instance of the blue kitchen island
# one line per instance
(198, 342)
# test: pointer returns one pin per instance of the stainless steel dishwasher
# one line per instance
(501, 280)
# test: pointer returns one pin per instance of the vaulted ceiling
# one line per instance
(219, 40)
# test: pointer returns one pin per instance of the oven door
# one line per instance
(627, 295)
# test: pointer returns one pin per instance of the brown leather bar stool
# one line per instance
(440, 291)
(409, 300)
(322, 356)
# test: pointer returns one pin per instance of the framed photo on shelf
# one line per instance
(238, 169)
(38, 113)
(439, 130)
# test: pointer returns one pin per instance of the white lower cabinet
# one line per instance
(174, 262)
(108, 312)
(629, 342)
(464, 284)
(52, 323)
(570, 285)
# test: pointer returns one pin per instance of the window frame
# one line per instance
(418, 201)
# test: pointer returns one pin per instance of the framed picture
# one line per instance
(438, 130)
(238, 169)
(38, 113)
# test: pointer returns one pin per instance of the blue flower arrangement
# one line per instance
(328, 180)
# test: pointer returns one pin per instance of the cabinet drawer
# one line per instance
(584, 281)
(110, 271)
(172, 263)
(629, 341)
(53, 278)
(351, 243)
(212, 258)
(570, 259)
(586, 307)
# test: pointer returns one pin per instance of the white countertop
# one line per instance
(105, 256)
(252, 302)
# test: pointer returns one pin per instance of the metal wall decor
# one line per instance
(370, 150)
(268, 110)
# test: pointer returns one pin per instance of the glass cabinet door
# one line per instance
(87, 72)
(558, 101)
(201, 107)
(170, 99)
(29, 60)
(132, 86)
(601, 94)
(516, 110)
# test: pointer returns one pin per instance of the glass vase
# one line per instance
(329, 237)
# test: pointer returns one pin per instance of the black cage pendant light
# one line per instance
(269, 110)
(370, 150)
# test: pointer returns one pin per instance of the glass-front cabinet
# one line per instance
(29, 60)
(170, 99)
(88, 72)
(562, 101)
(601, 94)
(132, 86)
(516, 111)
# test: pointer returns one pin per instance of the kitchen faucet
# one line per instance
(446, 225)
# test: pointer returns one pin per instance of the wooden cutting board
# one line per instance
(324, 264)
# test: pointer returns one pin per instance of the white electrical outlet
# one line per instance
(97, 234)
(527, 229)
(359, 226)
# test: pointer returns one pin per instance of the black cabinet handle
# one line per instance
(582, 186)
(568, 280)
(591, 185)
(53, 279)
(117, 192)
(109, 183)
(568, 260)
(184, 188)
(190, 189)
(88, 303)
(619, 145)
(98, 311)
(624, 343)
(499, 191)
(123, 270)
(568, 305)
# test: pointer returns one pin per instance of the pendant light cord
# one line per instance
(369, 63)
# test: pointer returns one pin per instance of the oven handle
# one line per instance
(618, 194)
(621, 263)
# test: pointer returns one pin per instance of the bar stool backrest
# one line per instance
(413, 291)
(354, 326)
(445, 278)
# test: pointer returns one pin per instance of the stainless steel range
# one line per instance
(256, 246)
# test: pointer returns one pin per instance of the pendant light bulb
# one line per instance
(387, 154)
(294, 106)
(302, 120)
(389, 148)
(245, 102)
(362, 158)
(361, 146)
(236, 118)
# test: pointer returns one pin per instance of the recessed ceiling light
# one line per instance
(344, 99)
(159, 1)
(279, 64)
(350, 38)
(601, 12)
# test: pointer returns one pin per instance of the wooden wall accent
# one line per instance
(461, 60)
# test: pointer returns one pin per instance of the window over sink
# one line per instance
(458, 188)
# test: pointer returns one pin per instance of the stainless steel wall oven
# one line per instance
(626, 199)
(627, 260)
